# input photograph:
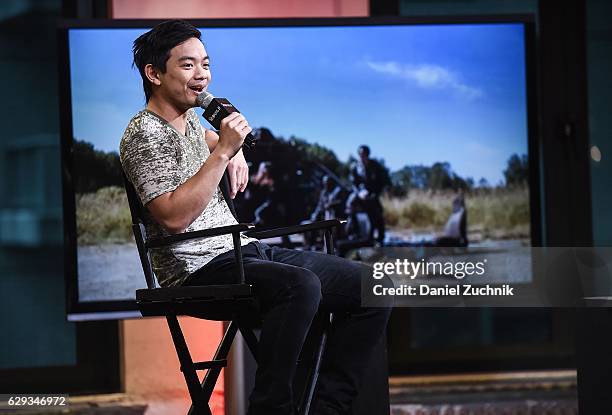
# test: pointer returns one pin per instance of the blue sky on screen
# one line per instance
(414, 94)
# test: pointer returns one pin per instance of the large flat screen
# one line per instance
(442, 106)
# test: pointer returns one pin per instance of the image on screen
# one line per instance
(442, 109)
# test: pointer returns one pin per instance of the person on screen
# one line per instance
(265, 185)
(369, 179)
(357, 229)
(272, 209)
(455, 230)
(329, 201)
(327, 208)
(175, 165)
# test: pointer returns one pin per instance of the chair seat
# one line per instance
(212, 302)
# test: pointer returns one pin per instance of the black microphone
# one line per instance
(216, 109)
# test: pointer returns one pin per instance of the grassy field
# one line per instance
(104, 216)
(491, 213)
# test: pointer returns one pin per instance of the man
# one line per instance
(357, 229)
(455, 230)
(175, 166)
(329, 201)
(369, 179)
(327, 208)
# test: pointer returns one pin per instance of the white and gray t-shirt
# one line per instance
(157, 159)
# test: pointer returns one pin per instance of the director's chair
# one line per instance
(234, 303)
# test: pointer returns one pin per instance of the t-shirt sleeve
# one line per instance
(150, 164)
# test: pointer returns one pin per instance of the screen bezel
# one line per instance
(120, 309)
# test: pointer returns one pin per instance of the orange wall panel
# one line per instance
(150, 366)
(202, 9)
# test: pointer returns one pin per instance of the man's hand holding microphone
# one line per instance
(232, 132)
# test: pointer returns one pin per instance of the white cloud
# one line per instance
(481, 151)
(427, 76)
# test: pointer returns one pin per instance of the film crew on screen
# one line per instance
(363, 211)
(175, 165)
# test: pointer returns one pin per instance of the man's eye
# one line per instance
(187, 65)
(206, 66)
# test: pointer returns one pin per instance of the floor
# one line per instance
(536, 393)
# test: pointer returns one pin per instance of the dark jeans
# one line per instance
(291, 286)
(374, 209)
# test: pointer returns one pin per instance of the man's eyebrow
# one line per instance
(191, 58)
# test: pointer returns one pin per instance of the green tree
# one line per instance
(94, 169)
(517, 170)
(401, 181)
(440, 176)
(318, 153)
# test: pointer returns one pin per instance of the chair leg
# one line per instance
(208, 384)
(191, 377)
(250, 339)
(313, 376)
(205, 411)
(222, 351)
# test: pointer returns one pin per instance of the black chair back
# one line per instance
(140, 233)
(137, 211)
(225, 190)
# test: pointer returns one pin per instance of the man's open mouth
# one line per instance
(197, 88)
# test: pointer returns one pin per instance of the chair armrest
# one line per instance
(290, 230)
(204, 233)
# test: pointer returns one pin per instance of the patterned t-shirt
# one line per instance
(157, 159)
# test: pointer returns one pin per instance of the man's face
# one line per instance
(187, 74)
(363, 155)
(328, 184)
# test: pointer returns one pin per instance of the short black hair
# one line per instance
(154, 47)
(365, 149)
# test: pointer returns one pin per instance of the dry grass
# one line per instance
(494, 213)
(103, 217)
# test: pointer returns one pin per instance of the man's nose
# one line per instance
(200, 73)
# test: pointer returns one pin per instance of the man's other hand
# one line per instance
(238, 172)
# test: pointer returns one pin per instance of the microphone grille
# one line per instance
(204, 99)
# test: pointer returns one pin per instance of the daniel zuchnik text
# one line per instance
(414, 269)
(463, 289)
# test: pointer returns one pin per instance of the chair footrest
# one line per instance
(211, 364)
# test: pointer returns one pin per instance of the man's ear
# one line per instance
(152, 74)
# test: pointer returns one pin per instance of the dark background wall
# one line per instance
(41, 351)
(32, 283)
(599, 67)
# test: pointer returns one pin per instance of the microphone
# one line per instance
(216, 109)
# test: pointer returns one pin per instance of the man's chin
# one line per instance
(188, 104)
(193, 103)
